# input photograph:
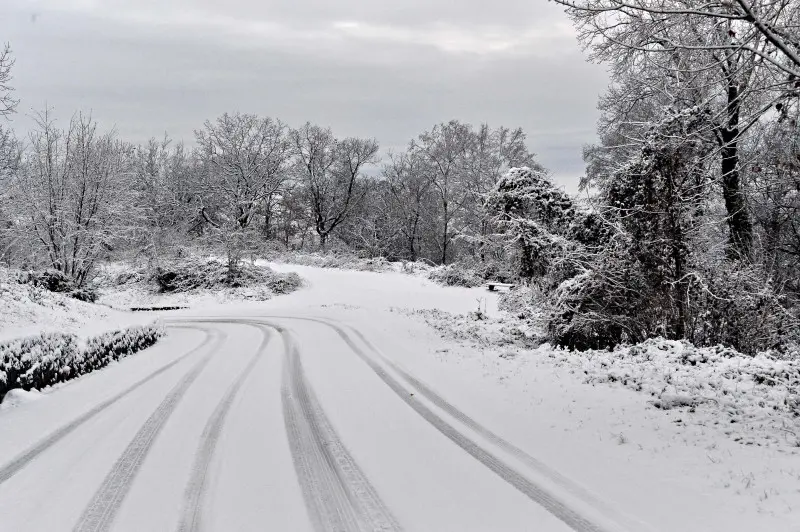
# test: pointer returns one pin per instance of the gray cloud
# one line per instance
(363, 68)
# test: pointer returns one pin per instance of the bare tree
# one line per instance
(73, 190)
(244, 161)
(166, 192)
(8, 146)
(443, 150)
(7, 102)
(331, 171)
(409, 197)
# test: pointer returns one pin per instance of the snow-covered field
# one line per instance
(685, 468)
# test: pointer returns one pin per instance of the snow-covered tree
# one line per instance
(244, 162)
(7, 101)
(534, 216)
(331, 172)
(736, 60)
(73, 194)
(408, 199)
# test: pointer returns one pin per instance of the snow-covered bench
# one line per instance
(492, 286)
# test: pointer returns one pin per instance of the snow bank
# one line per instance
(760, 394)
(28, 310)
(753, 400)
(19, 397)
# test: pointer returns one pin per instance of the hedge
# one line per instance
(50, 358)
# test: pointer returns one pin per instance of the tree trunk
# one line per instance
(739, 223)
(445, 235)
(412, 239)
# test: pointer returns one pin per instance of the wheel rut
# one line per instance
(102, 509)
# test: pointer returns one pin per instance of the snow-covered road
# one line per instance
(337, 408)
(285, 421)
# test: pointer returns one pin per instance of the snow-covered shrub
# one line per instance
(132, 276)
(523, 302)
(195, 273)
(284, 283)
(58, 282)
(455, 275)
(50, 358)
(37, 361)
(111, 346)
(342, 261)
(190, 274)
(759, 391)
(736, 305)
(479, 329)
(604, 305)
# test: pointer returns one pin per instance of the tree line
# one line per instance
(73, 196)
(688, 228)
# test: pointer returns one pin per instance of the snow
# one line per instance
(675, 470)
(17, 397)
(656, 468)
(26, 311)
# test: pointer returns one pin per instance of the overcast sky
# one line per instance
(380, 68)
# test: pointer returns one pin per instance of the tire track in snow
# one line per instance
(18, 463)
(538, 494)
(102, 509)
(194, 496)
(338, 496)
(535, 465)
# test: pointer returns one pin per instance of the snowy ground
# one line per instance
(26, 310)
(620, 461)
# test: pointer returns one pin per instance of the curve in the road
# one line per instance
(101, 510)
(537, 493)
(19, 462)
(534, 464)
(338, 496)
(194, 497)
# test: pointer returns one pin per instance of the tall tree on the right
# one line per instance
(738, 60)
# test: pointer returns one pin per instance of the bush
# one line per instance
(616, 302)
(58, 282)
(604, 306)
(205, 273)
(519, 302)
(37, 361)
(342, 261)
(208, 273)
(739, 307)
(50, 358)
(284, 283)
(455, 275)
(111, 346)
